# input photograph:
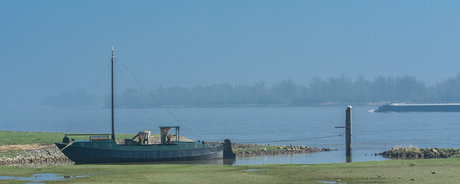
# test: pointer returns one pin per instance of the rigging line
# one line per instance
(88, 97)
(214, 152)
(156, 99)
(135, 96)
(287, 140)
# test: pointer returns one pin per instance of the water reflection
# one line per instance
(307, 158)
(250, 170)
(327, 181)
(349, 159)
(42, 177)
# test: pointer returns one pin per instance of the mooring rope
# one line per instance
(252, 141)
(70, 143)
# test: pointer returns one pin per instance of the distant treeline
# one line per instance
(334, 90)
(341, 90)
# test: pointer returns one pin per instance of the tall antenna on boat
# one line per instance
(113, 129)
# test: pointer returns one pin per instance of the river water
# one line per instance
(312, 126)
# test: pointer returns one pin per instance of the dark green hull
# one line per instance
(107, 152)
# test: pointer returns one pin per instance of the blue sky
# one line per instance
(48, 47)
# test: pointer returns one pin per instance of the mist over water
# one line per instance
(341, 90)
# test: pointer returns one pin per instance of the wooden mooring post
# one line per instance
(348, 137)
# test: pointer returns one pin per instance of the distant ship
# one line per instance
(402, 107)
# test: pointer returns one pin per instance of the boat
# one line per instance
(403, 107)
(103, 148)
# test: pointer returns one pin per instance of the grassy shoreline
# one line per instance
(390, 171)
(27, 138)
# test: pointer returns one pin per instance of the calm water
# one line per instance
(372, 132)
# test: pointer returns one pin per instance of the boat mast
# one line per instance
(113, 129)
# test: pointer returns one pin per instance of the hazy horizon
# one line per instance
(49, 47)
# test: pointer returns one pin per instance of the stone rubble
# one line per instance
(42, 155)
(420, 153)
(248, 149)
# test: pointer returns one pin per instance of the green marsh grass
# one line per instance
(24, 138)
(446, 171)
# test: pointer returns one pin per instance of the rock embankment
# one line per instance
(242, 150)
(414, 152)
(47, 154)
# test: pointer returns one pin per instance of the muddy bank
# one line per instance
(414, 152)
(242, 150)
